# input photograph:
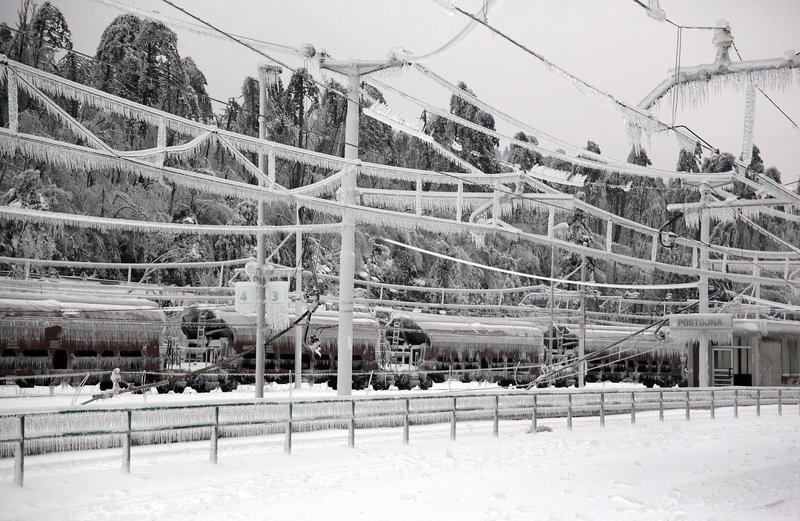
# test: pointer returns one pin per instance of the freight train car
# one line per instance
(47, 336)
(236, 333)
(616, 353)
(490, 348)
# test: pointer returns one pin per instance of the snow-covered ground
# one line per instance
(743, 469)
(13, 398)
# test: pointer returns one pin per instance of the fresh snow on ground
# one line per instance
(704, 469)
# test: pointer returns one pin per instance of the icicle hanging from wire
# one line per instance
(384, 110)
(161, 142)
(700, 83)
(691, 215)
(123, 265)
(60, 114)
(749, 121)
(325, 186)
(60, 87)
(604, 164)
(105, 223)
(381, 112)
(75, 156)
(13, 102)
(551, 175)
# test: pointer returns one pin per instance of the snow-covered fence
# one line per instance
(23, 434)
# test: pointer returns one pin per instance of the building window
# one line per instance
(790, 357)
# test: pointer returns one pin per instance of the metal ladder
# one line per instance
(201, 335)
(393, 343)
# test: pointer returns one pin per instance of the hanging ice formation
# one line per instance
(654, 11)
(600, 162)
(147, 164)
(695, 85)
(749, 121)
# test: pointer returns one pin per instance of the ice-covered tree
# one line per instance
(28, 240)
(475, 147)
(524, 157)
(198, 104)
(50, 34)
(690, 161)
(41, 33)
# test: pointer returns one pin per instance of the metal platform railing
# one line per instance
(37, 432)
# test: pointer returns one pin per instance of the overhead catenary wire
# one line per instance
(677, 25)
(661, 125)
(245, 44)
(687, 285)
(144, 74)
(234, 38)
(601, 353)
(632, 110)
(196, 29)
(359, 208)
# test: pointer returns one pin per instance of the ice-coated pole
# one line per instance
(353, 69)
(266, 75)
(344, 371)
(298, 305)
(705, 224)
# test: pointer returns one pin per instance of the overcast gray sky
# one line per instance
(611, 44)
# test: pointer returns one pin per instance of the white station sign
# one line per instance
(701, 321)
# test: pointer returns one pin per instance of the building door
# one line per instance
(723, 366)
(741, 366)
(60, 359)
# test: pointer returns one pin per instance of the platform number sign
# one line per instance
(245, 298)
(276, 301)
(278, 293)
(278, 304)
